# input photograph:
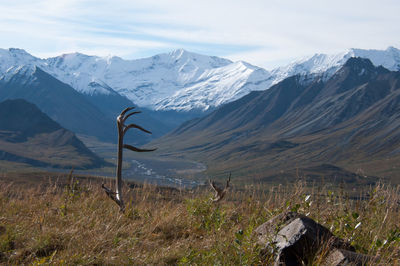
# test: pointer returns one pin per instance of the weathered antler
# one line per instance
(219, 193)
(122, 129)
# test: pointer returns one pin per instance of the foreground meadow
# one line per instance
(67, 220)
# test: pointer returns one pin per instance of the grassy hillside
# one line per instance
(65, 220)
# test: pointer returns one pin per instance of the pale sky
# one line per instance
(266, 33)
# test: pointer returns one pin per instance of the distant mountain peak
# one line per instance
(18, 51)
(74, 55)
(202, 61)
(356, 62)
(392, 49)
(179, 53)
(363, 66)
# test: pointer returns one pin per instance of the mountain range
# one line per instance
(239, 110)
(348, 121)
(181, 80)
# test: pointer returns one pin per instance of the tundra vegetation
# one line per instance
(61, 219)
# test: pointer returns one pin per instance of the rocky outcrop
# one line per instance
(295, 239)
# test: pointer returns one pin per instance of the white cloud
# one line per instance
(263, 32)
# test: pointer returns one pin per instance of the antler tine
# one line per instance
(126, 110)
(212, 184)
(107, 190)
(113, 196)
(128, 115)
(132, 148)
(135, 126)
(219, 192)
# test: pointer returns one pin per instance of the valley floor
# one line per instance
(69, 220)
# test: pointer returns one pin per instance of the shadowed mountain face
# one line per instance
(91, 115)
(351, 120)
(58, 100)
(29, 136)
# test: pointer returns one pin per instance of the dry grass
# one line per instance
(78, 224)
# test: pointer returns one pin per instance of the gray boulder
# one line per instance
(295, 239)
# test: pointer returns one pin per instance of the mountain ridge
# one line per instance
(27, 135)
(171, 81)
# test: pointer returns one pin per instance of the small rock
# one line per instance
(338, 257)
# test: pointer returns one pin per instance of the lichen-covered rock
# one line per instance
(295, 239)
(301, 239)
(267, 231)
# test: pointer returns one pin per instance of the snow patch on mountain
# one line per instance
(14, 57)
(22, 74)
(217, 86)
(181, 80)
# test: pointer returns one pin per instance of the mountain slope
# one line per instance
(29, 136)
(215, 87)
(350, 120)
(58, 100)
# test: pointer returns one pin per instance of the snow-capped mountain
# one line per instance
(328, 64)
(217, 86)
(14, 57)
(181, 80)
(144, 81)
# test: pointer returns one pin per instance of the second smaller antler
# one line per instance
(220, 193)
